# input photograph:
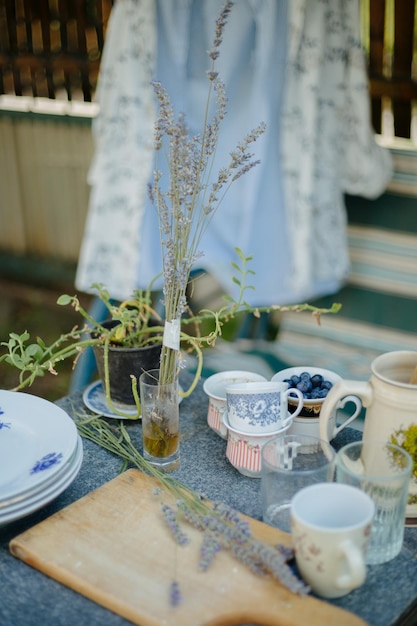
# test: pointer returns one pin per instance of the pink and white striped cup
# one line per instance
(244, 449)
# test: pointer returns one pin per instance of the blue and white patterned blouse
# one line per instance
(296, 65)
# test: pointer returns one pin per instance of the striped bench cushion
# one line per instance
(343, 345)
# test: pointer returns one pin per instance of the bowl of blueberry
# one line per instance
(314, 382)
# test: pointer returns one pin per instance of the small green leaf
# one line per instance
(41, 342)
(64, 299)
(16, 361)
(34, 351)
(120, 333)
(20, 338)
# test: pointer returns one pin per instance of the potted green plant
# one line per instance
(129, 342)
(132, 326)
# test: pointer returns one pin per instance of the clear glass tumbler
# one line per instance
(160, 421)
(383, 471)
(289, 463)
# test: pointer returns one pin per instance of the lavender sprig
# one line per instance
(223, 528)
(171, 519)
(175, 596)
(220, 24)
(209, 548)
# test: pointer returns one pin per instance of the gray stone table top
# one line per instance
(29, 598)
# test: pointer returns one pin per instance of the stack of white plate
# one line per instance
(40, 453)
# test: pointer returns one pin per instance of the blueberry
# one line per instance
(317, 380)
(326, 384)
(294, 380)
(304, 385)
(305, 376)
(322, 393)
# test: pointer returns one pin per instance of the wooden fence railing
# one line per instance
(51, 48)
(393, 62)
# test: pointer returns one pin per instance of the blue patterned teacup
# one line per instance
(260, 407)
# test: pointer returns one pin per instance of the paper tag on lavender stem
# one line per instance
(172, 334)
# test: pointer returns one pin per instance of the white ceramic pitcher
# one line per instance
(390, 400)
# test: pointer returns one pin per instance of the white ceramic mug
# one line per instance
(330, 527)
(244, 450)
(215, 388)
(259, 407)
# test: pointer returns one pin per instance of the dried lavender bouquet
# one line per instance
(190, 200)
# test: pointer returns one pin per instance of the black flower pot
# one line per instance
(123, 363)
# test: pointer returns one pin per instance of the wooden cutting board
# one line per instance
(113, 547)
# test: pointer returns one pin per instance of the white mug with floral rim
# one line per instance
(215, 388)
(330, 527)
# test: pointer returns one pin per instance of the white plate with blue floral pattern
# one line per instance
(21, 506)
(38, 441)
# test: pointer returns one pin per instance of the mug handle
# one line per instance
(340, 405)
(223, 427)
(343, 391)
(356, 574)
(295, 392)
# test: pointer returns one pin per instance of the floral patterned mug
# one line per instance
(215, 388)
(330, 527)
(260, 407)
